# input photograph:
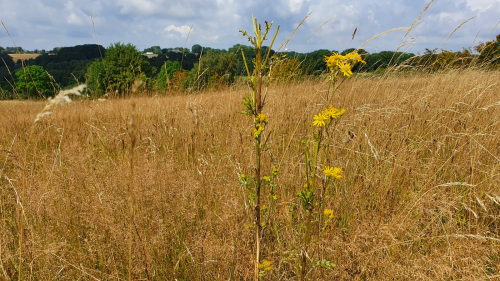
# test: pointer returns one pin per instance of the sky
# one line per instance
(45, 24)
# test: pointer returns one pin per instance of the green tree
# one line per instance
(196, 48)
(212, 65)
(489, 52)
(96, 79)
(167, 70)
(56, 50)
(314, 63)
(123, 64)
(33, 82)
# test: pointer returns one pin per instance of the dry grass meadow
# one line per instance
(419, 199)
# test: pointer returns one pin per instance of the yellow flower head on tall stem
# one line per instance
(333, 172)
(345, 68)
(333, 60)
(319, 120)
(355, 57)
(333, 113)
(275, 171)
(257, 131)
(261, 117)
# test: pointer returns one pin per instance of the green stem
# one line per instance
(258, 109)
(309, 215)
(257, 209)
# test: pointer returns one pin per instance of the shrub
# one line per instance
(222, 66)
(166, 74)
(33, 82)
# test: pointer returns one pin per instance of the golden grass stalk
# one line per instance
(62, 97)
(132, 132)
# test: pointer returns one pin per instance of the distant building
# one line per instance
(150, 55)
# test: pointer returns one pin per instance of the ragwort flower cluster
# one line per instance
(337, 62)
(260, 122)
(329, 113)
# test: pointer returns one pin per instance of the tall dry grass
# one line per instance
(419, 199)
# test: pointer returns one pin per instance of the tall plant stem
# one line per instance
(131, 215)
(257, 209)
(258, 108)
(258, 70)
(307, 238)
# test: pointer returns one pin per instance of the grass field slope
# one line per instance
(419, 198)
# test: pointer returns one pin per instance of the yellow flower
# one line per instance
(333, 172)
(257, 131)
(333, 113)
(328, 213)
(352, 55)
(261, 117)
(243, 177)
(355, 57)
(345, 68)
(319, 120)
(265, 265)
(334, 60)
(266, 178)
(275, 171)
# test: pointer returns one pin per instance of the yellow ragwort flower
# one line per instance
(257, 132)
(333, 113)
(265, 264)
(345, 68)
(334, 60)
(275, 171)
(319, 120)
(355, 57)
(333, 172)
(261, 117)
(328, 213)
(266, 178)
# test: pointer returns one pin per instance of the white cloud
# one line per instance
(182, 30)
(295, 5)
(74, 19)
(481, 5)
(216, 23)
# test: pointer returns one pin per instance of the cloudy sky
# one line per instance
(45, 24)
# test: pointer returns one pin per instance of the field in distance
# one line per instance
(16, 57)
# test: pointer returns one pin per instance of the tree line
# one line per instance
(112, 70)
